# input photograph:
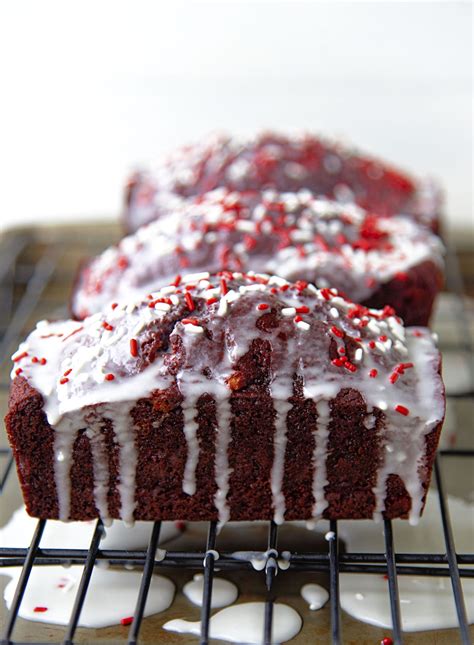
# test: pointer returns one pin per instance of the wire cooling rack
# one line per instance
(30, 263)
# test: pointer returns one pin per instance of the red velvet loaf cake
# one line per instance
(375, 261)
(286, 164)
(234, 396)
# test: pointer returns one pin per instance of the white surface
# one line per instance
(91, 89)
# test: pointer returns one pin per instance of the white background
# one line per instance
(91, 89)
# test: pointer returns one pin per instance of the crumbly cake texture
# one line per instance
(227, 396)
(373, 260)
(284, 163)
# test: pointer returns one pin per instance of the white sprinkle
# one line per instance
(400, 348)
(303, 325)
(210, 237)
(373, 326)
(358, 355)
(280, 282)
(195, 277)
(232, 295)
(130, 308)
(222, 307)
(382, 405)
(288, 311)
(162, 306)
(193, 329)
(334, 312)
(245, 225)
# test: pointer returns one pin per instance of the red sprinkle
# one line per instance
(386, 641)
(401, 276)
(63, 381)
(223, 286)
(402, 410)
(337, 332)
(67, 372)
(262, 306)
(114, 305)
(301, 285)
(18, 371)
(190, 321)
(298, 319)
(339, 362)
(176, 281)
(106, 326)
(349, 366)
(189, 301)
(19, 357)
(211, 301)
(373, 373)
(133, 347)
(302, 310)
(122, 262)
(40, 610)
(34, 360)
(383, 338)
(284, 287)
(126, 621)
(109, 377)
(372, 344)
(43, 361)
(393, 377)
(326, 294)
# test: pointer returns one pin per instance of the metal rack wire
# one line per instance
(22, 287)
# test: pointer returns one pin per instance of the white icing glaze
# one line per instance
(282, 387)
(224, 592)
(315, 595)
(321, 436)
(407, 387)
(77, 535)
(244, 624)
(111, 597)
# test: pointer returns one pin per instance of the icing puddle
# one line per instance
(315, 595)
(78, 535)
(244, 624)
(110, 600)
(426, 602)
(224, 592)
